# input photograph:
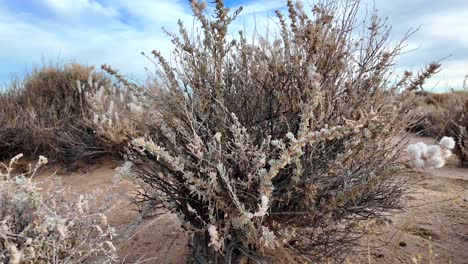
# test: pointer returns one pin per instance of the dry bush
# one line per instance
(46, 113)
(289, 142)
(455, 118)
(445, 114)
(117, 112)
(44, 227)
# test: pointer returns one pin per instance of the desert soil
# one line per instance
(433, 225)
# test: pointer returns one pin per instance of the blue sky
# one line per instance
(114, 32)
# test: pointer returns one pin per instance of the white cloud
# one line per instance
(448, 26)
(155, 13)
(87, 32)
(80, 10)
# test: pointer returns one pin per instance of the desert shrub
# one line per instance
(433, 107)
(45, 227)
(287, 142)
(445, 114)
(457, 126)
(46, 113)
(118, 111)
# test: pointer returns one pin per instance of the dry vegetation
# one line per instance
(69, 113)
(43, 227)
(290, 143)
(444, 114)
(283, 143)
(45, 114)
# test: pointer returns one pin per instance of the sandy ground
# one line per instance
(433, 226)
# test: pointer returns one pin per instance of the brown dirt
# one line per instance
(436, 216)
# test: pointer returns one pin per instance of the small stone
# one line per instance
(402, 244)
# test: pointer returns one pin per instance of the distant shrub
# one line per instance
(289, 142)
(445, 114)
(457, 127)
(44, 227)
(46, 113)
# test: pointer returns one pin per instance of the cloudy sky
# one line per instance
(114, 32)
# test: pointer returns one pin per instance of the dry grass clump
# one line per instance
(42, 227)
(445, 114)
(285, 142)
(46, 113)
